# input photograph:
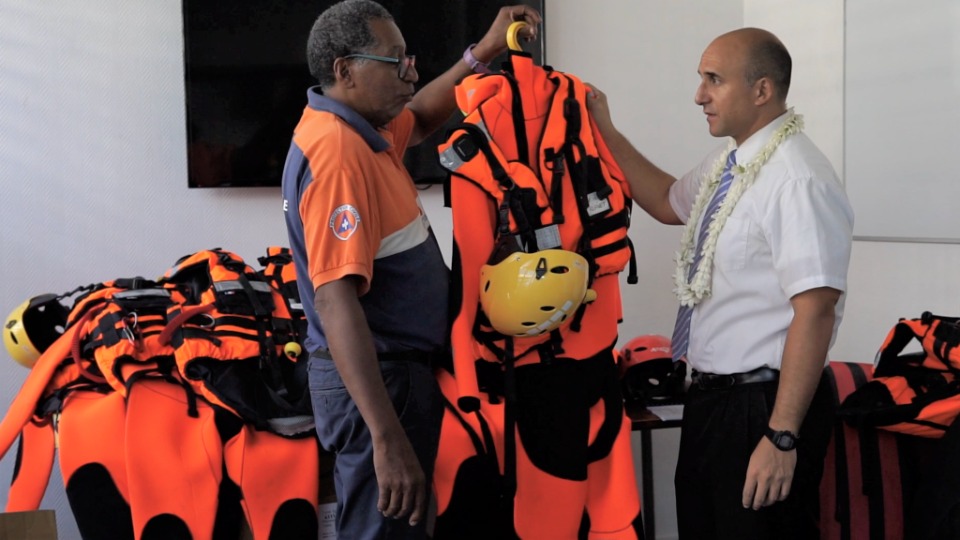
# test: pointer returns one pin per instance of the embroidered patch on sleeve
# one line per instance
(344, 221)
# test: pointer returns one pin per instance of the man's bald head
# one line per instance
(763, 55)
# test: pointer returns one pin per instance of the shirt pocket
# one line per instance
(733, 245)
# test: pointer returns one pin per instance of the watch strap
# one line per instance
(476, 65)
(782, 440)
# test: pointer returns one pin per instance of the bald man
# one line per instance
(761, 281)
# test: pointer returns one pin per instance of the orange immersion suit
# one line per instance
(528, 169)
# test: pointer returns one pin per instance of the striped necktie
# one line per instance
(681, 332)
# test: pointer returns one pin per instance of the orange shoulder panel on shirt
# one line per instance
(344, 210)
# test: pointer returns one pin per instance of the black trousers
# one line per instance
(720, 430)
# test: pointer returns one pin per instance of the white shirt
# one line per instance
(790, 232)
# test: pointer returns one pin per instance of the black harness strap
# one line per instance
(519, 122)
(513, 201)
(509, 425)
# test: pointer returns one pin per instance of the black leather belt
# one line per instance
(715, 381)
(427, 358)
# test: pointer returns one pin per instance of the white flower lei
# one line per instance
(692, 292)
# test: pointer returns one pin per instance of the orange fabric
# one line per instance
(134, 453)
(91, 453)
(456, 445)
(941, 412)
(547, 507)
(138, 348)
(272, 472)
(941, 353)
(34, 463)
(352, 180)
(280, 271)
(177, 460)
(912, 393)
(473, 228)
(112, 345)
(91, 429)
(476, 194)
(20, 411)
(197, 345)
(220, 268)
(488, 101)
(612, 497)
(233, 318)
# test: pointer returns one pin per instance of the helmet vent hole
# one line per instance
(560, 270)
(547, 308)
(14, 338)
(528, 324)
(486, 286)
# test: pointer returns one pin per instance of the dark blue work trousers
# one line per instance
(416, 397)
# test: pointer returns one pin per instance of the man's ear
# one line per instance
(342, 72)
(763, 91)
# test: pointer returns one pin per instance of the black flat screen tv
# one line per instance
(246, 78)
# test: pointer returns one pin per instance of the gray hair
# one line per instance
(341, 29)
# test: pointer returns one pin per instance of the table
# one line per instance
(644, 421)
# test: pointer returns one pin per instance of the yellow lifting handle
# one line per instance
(513, 31)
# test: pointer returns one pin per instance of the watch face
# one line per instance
(784, 440)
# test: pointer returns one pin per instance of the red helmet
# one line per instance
(648, 372)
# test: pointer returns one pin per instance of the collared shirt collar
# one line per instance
(320, 102)
(752, 146)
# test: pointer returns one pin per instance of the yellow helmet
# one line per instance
(528, 294)
(32, 327)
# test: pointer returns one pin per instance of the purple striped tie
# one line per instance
(681, 332)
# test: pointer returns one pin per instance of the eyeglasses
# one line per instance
(404, 65)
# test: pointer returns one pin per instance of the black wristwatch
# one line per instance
(783, 440)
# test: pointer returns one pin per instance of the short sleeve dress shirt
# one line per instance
(790, 232)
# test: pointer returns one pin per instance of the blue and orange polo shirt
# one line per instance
(351, 208)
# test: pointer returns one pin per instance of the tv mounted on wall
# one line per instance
(246, 78)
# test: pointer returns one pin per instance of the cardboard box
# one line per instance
(36, 525)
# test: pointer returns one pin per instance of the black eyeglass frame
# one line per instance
(403, 65)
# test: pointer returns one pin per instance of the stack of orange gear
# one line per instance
(172, 402)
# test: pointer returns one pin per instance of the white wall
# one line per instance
(921, 161)
(93, 166)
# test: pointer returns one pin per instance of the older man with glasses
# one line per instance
(371, 275)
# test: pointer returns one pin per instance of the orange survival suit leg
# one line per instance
(174, 463)
(34, 462)
(467, 477)
(573, 452)
(279, 479)
(91, 429)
